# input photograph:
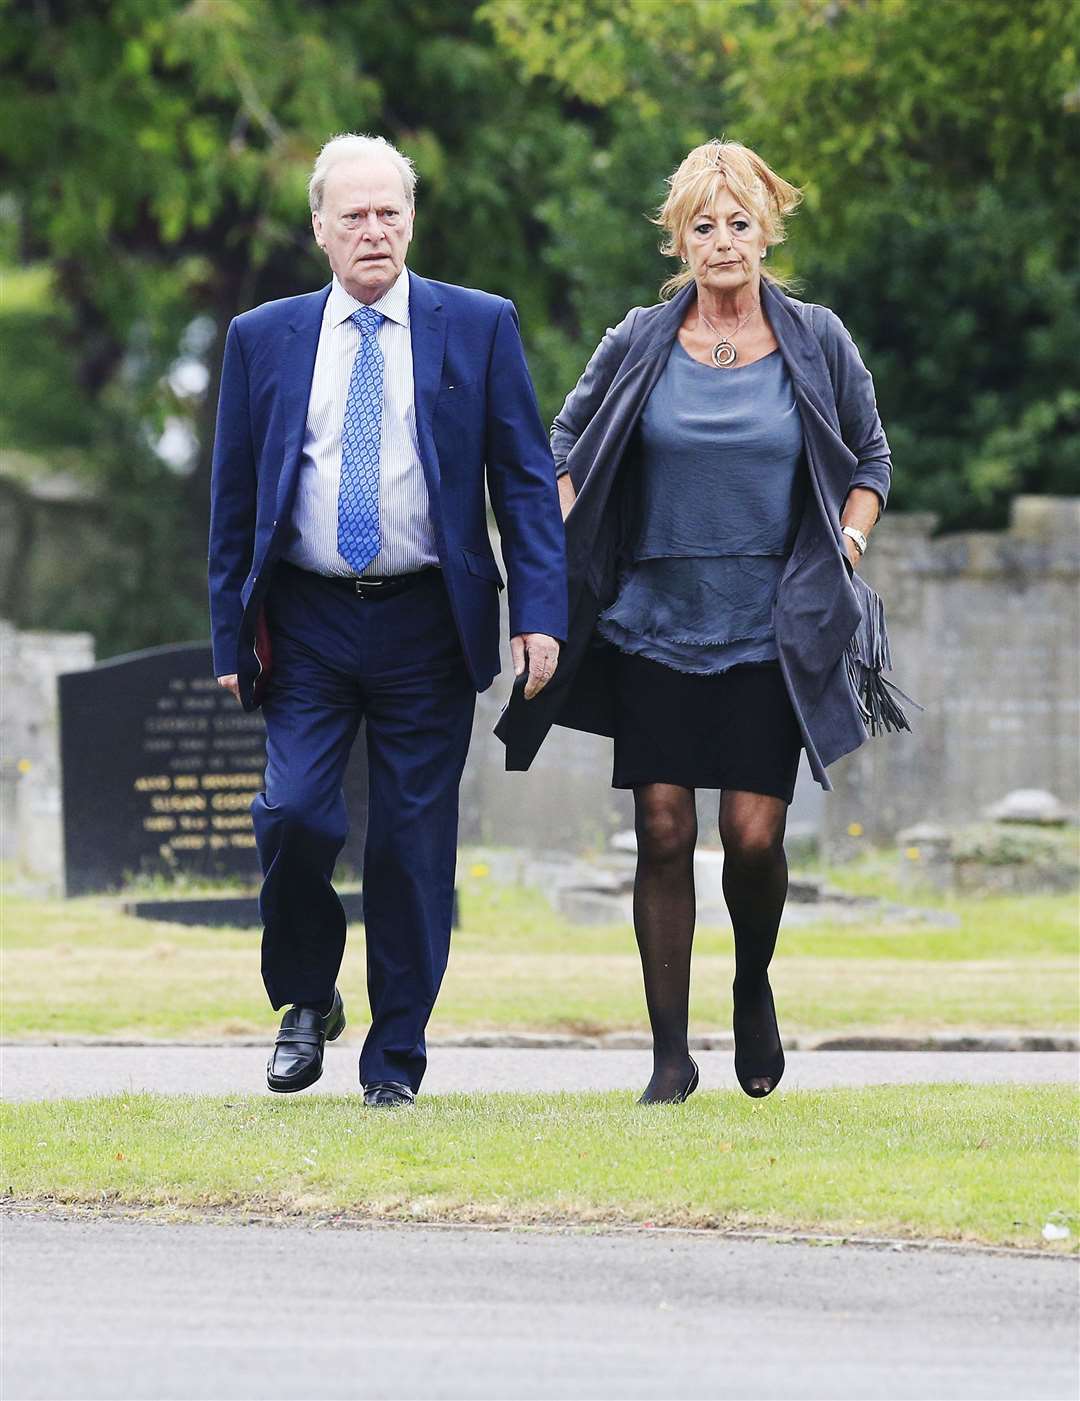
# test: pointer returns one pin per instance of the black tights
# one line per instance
(755, 888)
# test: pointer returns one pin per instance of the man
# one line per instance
(352, 577)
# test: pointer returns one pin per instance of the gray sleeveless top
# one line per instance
(723, 483)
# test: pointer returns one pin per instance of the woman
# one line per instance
(721, 465)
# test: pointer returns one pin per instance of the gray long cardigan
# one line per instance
(817, 607)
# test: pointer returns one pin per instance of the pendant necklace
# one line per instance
(724, 352)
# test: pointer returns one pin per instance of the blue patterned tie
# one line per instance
(358, 496)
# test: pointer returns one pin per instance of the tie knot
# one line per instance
(368, 319)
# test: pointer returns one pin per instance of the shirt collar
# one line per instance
(393, 304)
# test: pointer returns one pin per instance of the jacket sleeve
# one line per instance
(232, 507)
(856, 405)
(521, 483)
(588, 394)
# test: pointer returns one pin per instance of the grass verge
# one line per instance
(989, 1164)
(81, 968)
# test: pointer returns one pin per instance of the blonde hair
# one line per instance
(349, 145)
(723, 165)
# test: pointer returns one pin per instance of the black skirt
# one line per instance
(735, 730)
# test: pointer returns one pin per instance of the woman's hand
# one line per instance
(567, 494)
(852, 551)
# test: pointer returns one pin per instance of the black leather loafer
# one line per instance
(388, 1094)
(297, 1058)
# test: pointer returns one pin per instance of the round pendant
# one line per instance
(724, 354)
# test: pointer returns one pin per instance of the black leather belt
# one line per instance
(389, 584)
(372, 587)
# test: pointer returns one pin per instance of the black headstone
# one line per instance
(158, 769)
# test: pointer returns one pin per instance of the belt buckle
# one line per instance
(362, 584)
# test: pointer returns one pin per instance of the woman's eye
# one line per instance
(740, 226)
(702, 228)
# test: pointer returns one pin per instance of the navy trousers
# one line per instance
(396, 663)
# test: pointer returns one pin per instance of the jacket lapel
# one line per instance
(297, 368)
(427, 331)
(596, 458)
(802, 353)
(662, 328)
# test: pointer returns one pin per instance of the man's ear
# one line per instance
(316, 228)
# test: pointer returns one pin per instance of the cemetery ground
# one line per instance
(991, 1164)
(82, 969)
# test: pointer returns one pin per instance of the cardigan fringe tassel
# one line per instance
(868, 655)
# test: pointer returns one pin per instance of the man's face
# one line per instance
(365, 225)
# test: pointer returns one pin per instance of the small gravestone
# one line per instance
(158, 769)
(1033, 805)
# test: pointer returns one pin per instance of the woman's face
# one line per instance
(724, 244)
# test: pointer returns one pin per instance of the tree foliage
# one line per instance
(938, 146)
(156, 154)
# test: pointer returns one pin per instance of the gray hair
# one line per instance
(347, 145)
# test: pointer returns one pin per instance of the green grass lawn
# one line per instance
(79, 968)
(988, 1163)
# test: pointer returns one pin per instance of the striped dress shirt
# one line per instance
(407, 540)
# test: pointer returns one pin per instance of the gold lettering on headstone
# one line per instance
(153, 783)
(234, 722)
(229, 802)
(179, 802)
(159, 824)
(177, 724)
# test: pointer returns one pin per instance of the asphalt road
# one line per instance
(117, 1308)
(54, 1072)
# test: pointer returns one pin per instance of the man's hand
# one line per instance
(542, 653)
(852, 551)
(230, 683)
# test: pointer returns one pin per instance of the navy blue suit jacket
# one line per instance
(476, 417)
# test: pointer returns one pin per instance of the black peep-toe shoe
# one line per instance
(759, 1054)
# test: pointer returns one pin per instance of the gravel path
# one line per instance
(56, 1072)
